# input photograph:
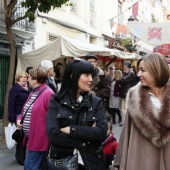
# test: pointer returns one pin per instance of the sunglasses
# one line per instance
(76, 59)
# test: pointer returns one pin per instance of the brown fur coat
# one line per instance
(144, 143)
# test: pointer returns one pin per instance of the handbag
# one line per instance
(18, 135)
(67, 163)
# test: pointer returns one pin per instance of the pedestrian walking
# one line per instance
(115, 99)
(127, 81)
(100, 85)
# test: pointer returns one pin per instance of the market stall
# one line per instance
(64, 47)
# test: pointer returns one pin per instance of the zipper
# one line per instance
(86, 161)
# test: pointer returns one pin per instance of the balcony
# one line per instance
(19, 11)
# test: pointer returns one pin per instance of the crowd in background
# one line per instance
(74, 112)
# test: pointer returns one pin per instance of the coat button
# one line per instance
(84, 144)
(90, 108)
(70, 117)
(59, 115)
(72, 107)
(93, 117)
(65, 102)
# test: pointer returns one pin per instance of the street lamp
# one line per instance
(131, 19)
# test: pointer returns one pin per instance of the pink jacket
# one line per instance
(38, 140)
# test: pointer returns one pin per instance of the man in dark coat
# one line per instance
(48, 66)
(100, 85)
(127, 81)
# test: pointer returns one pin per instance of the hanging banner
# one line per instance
(163, 49)
(135, 10)
(121, 30)
(154, 34)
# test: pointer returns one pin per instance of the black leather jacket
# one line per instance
(127, 81)
(51, 83)
(84, 137)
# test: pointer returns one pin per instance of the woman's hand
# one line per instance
(19, 125)
(66, 130)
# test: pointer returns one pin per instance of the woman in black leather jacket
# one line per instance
(76, 119)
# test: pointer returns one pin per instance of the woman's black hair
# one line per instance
(71, 75)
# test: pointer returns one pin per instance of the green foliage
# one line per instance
(126, 42)
(42, 5)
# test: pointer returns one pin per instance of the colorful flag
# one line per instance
(135, 10)
(154, 33)
(163, 49)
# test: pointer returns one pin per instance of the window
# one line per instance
(92, 13)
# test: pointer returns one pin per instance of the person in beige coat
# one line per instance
(144, 143)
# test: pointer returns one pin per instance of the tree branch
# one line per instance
(18, 19)
(10, 7)
(12, 4)
(5, 5)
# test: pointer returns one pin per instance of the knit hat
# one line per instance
(46, 64)
(89, 56)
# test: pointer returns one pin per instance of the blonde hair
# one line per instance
(19, 74)
(118, 74)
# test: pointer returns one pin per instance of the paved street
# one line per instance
(7, 156)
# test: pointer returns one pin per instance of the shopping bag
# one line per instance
(8, 135)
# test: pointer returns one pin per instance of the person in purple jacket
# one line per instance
(18, 95)
(34, 123)
(115, 99)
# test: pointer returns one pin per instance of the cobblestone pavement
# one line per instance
(7, 156)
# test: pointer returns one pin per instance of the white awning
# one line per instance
(66, 47)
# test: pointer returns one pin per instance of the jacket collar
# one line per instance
(73, 105)
(156, 130)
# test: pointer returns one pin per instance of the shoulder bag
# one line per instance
(67, 163)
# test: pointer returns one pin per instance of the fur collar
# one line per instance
(141, 111)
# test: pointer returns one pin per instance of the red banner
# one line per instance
(135, 10)
(163, 49)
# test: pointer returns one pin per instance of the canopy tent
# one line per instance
(66, 47)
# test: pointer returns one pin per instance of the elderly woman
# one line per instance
(35, 110)
(145, 139)
(18, 95)
(76, 120)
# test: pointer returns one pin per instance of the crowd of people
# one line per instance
(73, 113)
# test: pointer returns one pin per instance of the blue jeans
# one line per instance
(33, 160)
